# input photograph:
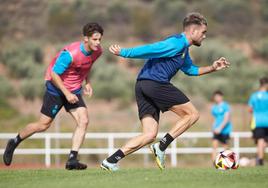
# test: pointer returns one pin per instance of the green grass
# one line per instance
(136, 178)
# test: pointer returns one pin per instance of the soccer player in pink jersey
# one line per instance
(64, 77)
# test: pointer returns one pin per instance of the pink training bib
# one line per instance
(79, 68)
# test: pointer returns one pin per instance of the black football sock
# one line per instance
(118, 155)
(165, 141)
(259, 162)
(73, 155)
(17, 140)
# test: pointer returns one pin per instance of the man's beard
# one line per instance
(196, 43)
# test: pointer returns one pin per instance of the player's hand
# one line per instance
(88, 90)
(72, 98)
(115, 49)
(221, 63)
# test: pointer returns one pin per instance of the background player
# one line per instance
(258, 107)
(222, 126)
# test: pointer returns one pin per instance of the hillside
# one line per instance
(32, 31)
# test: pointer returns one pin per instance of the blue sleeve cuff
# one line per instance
(122, 52)
(191, 70)
(62, 63)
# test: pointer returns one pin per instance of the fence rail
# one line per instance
(111, 137)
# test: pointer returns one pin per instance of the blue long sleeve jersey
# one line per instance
(164, 58)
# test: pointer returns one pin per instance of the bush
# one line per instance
(6, 111)
(264, 10)
(32, 88)
(142, 20)
(23, 60)
(60, 20)
(65, 23)
(170, 12)
(213, 49)
(6, 89)
(110, 81)
(232, 17)
(262, 48)
(115, 10)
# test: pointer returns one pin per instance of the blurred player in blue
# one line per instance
(258, 104)
(155, 93)
(222, 125)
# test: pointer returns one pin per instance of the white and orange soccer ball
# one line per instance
(226, 160)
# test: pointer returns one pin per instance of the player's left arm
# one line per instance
(226, 119)
(217, 65)
(88, 90)
(192, 70)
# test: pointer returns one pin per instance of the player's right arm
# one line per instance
(166, 48)
(62, 63)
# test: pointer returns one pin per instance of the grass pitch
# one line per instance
(136, 178)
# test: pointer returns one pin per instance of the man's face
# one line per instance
(198, 34)
(93, 41)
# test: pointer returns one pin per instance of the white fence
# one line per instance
(111, 137)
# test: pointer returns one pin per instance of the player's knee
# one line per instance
(43, 127)
(150, 137)
(83, 122)
(194, 116)
(44, 123)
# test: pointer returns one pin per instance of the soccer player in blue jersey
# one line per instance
(222, 126)
(155, 93)
(258, 104)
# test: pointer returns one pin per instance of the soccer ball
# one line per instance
(226, 160)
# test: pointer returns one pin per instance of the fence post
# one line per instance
(237, 144)
(47, 150)
(174, 153)
(110, 144)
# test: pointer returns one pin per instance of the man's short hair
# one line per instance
(194, 18)
(90, 28)
(263, 81)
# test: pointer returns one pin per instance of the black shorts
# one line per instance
(152, 96)
(223, 138)
(52, 104)
(260, 132)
